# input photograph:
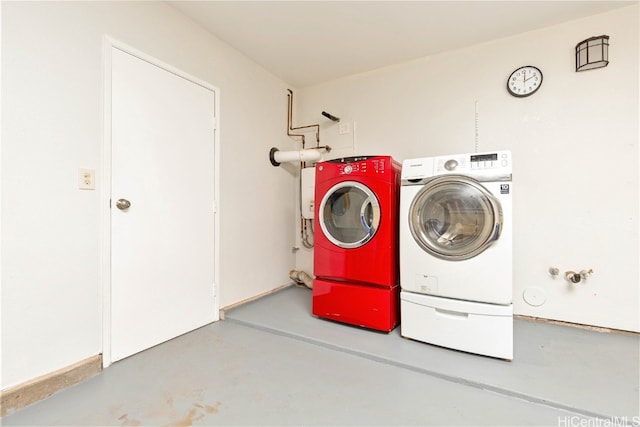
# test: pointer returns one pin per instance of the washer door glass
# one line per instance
(454, 217)
(349, 214)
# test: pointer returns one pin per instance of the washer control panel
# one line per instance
(362, 165)
(479, 163)
(353, 168)
(490, 164)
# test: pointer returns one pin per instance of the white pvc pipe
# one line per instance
(308, 155)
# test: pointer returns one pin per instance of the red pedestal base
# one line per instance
(357, 304)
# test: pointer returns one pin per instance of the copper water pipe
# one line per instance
(291, 128)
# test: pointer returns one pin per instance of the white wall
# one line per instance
(574, 144)
(52, 125)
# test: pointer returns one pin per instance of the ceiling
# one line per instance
(305, 43)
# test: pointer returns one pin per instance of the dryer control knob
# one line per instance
(450, 164)
(348, 169)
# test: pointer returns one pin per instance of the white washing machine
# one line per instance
(456, 251)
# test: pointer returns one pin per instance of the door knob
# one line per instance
(123, 204)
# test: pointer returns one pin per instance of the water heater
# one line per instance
(307, 192)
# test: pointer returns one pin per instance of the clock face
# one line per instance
(524, 81)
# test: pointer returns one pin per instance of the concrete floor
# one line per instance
(272, 363)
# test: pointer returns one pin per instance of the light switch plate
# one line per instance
(86, 179)
(344, 128)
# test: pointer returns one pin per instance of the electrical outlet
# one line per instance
(345, 128)
(86, 179)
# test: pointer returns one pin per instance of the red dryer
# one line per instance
(356, 241)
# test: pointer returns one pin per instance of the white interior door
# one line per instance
(162, 246)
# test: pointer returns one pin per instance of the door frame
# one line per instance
(109, 44)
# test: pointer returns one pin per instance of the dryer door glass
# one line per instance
(454, 217)
(349, 214)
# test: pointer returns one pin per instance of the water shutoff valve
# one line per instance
(586, 273)
(572, 277)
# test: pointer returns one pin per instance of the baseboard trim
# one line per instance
(22, 395)
(245, 301)
(574, 325)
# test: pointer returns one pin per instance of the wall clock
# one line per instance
(524, 81)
